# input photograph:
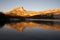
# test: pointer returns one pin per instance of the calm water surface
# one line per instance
(30, 31)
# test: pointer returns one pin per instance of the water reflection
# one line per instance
(20, 26)
(2, 24)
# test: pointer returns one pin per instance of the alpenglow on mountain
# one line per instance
(20, 11)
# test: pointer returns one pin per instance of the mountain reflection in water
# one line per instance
(35, 30)
(20, 26)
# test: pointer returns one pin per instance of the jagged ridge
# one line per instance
(20, 11)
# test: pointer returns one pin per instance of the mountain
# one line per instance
(20, 11)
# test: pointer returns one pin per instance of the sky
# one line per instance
(35, 5)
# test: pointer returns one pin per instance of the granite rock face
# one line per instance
(20, 11)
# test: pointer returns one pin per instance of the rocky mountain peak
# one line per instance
(20, 8)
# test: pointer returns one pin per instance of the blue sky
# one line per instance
(36, 5)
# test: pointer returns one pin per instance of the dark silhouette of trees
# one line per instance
(46, 16)
(6, 18)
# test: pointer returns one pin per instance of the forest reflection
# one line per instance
(20, 26)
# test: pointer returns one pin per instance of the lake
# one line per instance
(30, 30)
